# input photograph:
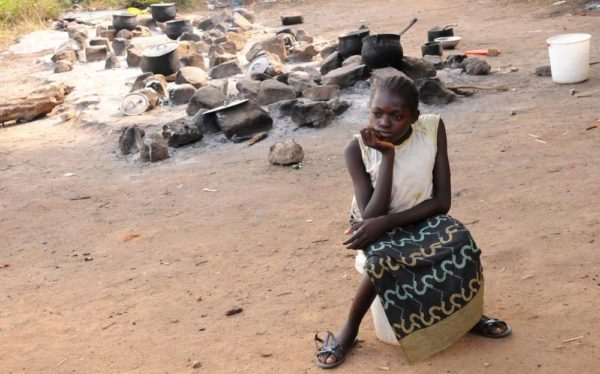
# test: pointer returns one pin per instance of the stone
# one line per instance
(274, 45)
(223, 27)
(275, 66)
(204, 99)
(282, 108)
(303, 36)
(194, 60)
(339, 105)
(243, 120)
(68, 55)
(321, 93)
(332, 62)
(216, 58)
(286, 152)
(131, 139)
(220, 84)
(99, 41)
(386, 72)
(112, 62)
(455, 61)
(154, 148)
(224, 70)
(314, 73)
(81, 38)
(295, 19)
(190, 36)
(353, 60)
(328, 50)
(181, 94)
(543, 71)
(134, 56)
(108, 34)
(303, 52)
(300, 81)
(124, 34)
(157, 82)
(215, 34)
(283, 78)
(119, 46)
(435, 60)
(186, 48)
(181, 132)
(476, 66)
(248, 88)
(98, 53)
(311, 114)
(434, 92)
(345, 76)
(139, 81)
(417, 68)
(247, 14)
(99, 29)
(63, 66)
(223, 47)
(142, 31)
(240, 21)
(148, 22)
(202, 47)
(238, 40)
(211, 22)
(192, 75)
(271, 91)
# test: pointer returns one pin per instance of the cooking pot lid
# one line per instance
(160, 5)
(134, 104)
(160, 49)
(233, 104)
(258, 66)
(177, 21)
(125, 14)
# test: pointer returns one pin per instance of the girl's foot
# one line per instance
(334, 348)
(491, 328)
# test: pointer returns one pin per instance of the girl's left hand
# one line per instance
(365, 233)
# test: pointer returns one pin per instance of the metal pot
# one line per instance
(177, 27)
(382, 50)
(351, 43)
(431, 48)
(124, 21)
(161, 59)
(163, 12)
(438, 32)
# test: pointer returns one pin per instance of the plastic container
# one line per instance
(383, 329)
(569, 57)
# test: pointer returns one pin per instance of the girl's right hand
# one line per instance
(372, 139)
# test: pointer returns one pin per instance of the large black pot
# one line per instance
(431, 48)
(351, 43)
(163, 12)
(177, 27)
(382, 50)
(124, 21)
(161, 59)
(438, 32)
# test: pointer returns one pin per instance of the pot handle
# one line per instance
(410, 24)
(445, 27)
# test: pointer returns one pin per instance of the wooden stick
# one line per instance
(573, 339)
(498, 88)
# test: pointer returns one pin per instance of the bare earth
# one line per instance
(77, 297)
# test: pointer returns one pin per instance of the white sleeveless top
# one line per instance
(414, 160)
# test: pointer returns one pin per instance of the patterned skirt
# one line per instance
(429, 279)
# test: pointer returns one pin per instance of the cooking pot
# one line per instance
(161, 59)
(163, 12)
(177, 27)
(438, 32)
(124, 21)
(382, 50)
(351, 43)
(431, 48)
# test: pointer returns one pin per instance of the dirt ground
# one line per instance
(77, 297)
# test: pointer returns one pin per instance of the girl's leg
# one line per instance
(362, 301)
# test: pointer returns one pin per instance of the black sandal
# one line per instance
(330, 346)
(488, 327)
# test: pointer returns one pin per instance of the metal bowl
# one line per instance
(448, 42)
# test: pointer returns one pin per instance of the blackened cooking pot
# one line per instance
(163, 12)
(382, 50)
(124, 21)
(177, 27)
(161, 59)
(438, 32)
(351, 43)
(431, 48)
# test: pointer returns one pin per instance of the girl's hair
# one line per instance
(397, 84)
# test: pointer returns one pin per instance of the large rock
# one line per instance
(476, 66)
(211, 22)
(100, 41)
(311, 113)
(434, 92)
(353, 60)
(339, 105)
(286, 152)
(223, 47)
(154, 148)
(134, 56)
(186, 48)
(300, 81)
(274, 45)
(328, 50)
(140, 81)
(119, 46)
(303, 36)
(241, 21)
(303, 52)
(142, 31)
(124, 34)
(68, 55)
(81, 39)
(321, 93)
(332, 62)
(224, 70)
(112, 62)
(243, 120)
(386, 73)
(417, 68)
(204, 99)
(181, 132)
(157, 82)
(215, 58)
(63, 66)
(314, 73)
(435, 60)
(345, 76)
(181, 94)
(247, 14)
(98, 53)
(202, 47)
(192, 75)
(190, 36)
(194, 60)
(282, 108)
(248, 88)
(238, 40)
(271, 91)
(108, 34)
(131, 139)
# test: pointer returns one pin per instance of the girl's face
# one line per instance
(391, 117)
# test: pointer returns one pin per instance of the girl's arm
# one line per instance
(371, 202)
(370, 230)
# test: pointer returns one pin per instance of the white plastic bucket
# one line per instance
(383, 329)
(569, 57)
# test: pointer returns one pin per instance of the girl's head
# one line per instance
(394, 107)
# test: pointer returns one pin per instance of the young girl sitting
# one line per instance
(423, 264)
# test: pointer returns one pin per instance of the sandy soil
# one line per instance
(77, 297)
